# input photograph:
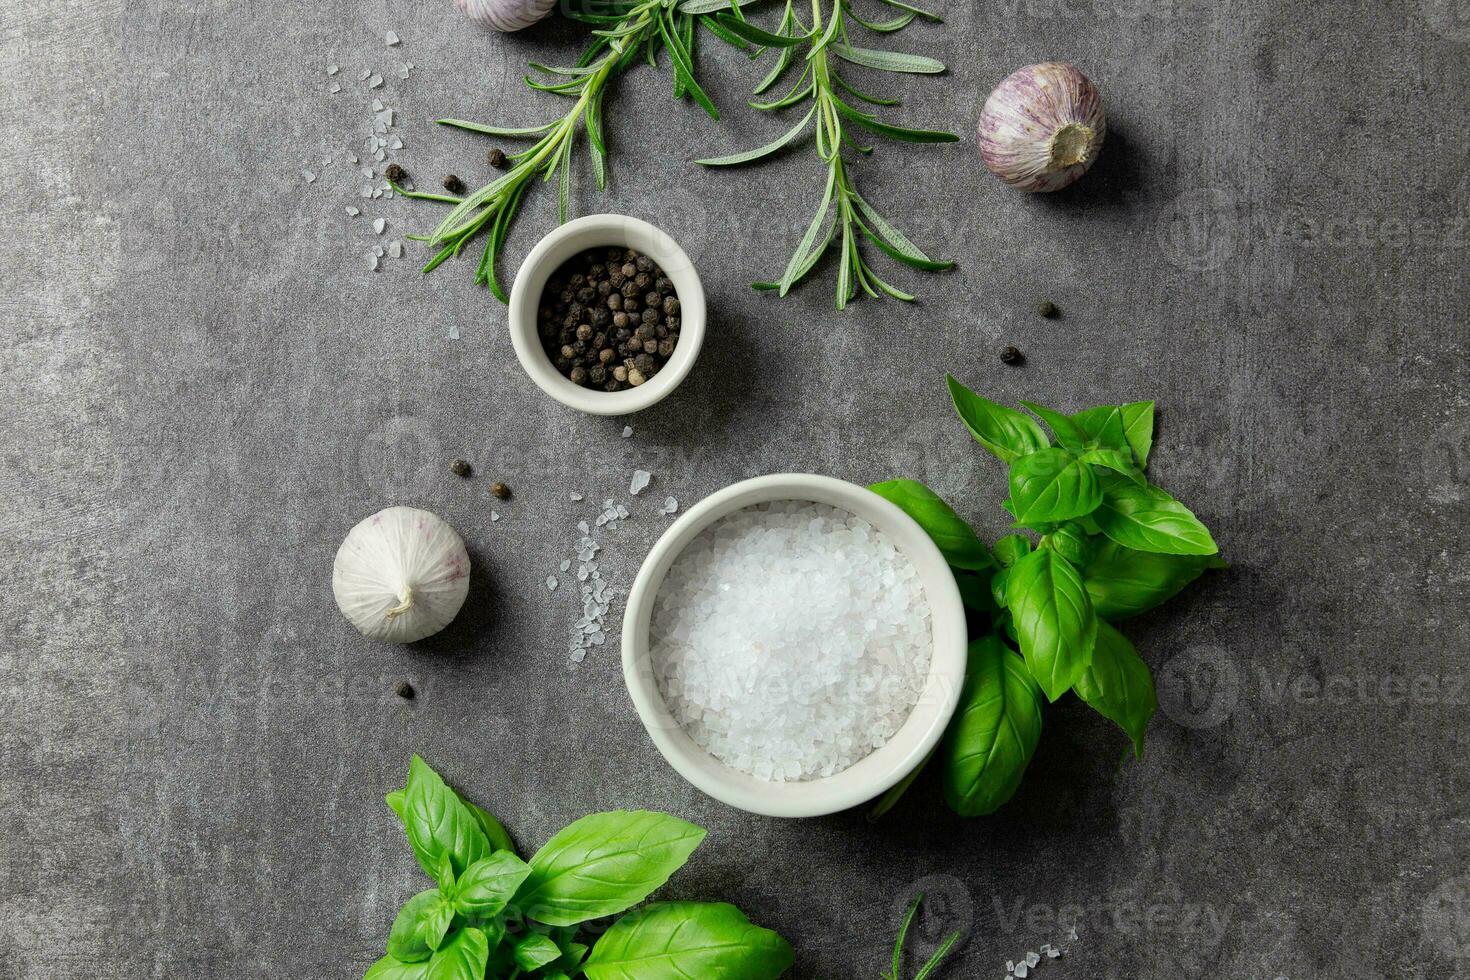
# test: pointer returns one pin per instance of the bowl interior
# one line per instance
(879, 770)
(602, 231)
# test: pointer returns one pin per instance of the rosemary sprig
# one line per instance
(624, 32)
(844, 218)
(895, 971)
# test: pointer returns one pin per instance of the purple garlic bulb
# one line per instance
(1042, 127)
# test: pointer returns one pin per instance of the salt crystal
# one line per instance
(640, 480)
(367, 190)
(565, 564)
(1052, 953)
(352, 158)
(780, 648)
(575, 495)
(354, 212)
(331, 69)
(365, 73)
(403, 71)
(334, 88)
(372, 262)
(1072, 933)
(308, 176)
(454, 335)
(377, 105)
(375, 81)
(1021, 971)
(670, 505)
(378, 251)
(627, 431)
(494, 517)
(378, 225)
(1032, 959)
(551, 582)
(395, 144)
(395, 248)
(391, 39)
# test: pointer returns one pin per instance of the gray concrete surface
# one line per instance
(204, 388)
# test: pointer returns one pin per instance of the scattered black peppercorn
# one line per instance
(604, 319)
(500, 490)
(395, 173)
(453, 184)
(1048, 309)
(460, 467)
(1012, 355)
(497, 158)
(404, 690)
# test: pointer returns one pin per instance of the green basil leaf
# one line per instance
(681, 940)
(488, 885)
(1053, 485)
(493, 829)
(573, 953)
(955, 539)
(1071, 542)
(1117, 460)
(1123, 582)
(438, 823)
(389, 968)
(462, 957)
(1012, 548)
(535, 950)
(1148, 519)
(1119, 685)
(998, 587)
(409, 938)
(995, 729)
(974, 592)
(1055, 623)
(604, 864)
(1007, 433)
(1068, 433)
(1129, 427)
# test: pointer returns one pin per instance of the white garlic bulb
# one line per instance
(1042, 127)
(506, 15)
(401, 575)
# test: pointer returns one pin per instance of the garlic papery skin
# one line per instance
(506, 15)
(401, 575)
(1042, 127)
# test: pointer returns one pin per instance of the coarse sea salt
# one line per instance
(791, 639)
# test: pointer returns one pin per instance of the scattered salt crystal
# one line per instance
(1021, 971)
(352, 158)
(334, 88)
(575, 495)
(391, 39)
(352, 211)
(551, 582)
(582, 526)
(367, 190)
(366, 72)
(565, 564)
(395, 249)
(790, 640)
(395, 144)
(1072, 933)
(1052, 953)
(372, 262)
(627, 431)
(670, 505)
(403, 71)
(377, 105)
(640, 480)
(378, 251)
(378, 225)
(375, 82)
(308, 176)
(1010, 966)
(1032, 959)
(331, 69)
(494, 517)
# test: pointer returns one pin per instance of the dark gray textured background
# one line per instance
(204, 388)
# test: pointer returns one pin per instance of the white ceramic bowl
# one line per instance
(562, 244)
(881, 769)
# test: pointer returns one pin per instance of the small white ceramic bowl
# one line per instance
(870, 776)
(605, 230)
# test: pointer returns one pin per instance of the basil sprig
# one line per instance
(493, 915)
(1108, 545)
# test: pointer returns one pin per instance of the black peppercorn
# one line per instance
(650, 346)
(615, 302)
(1048, 309)
(496, 158)
(579, 375)
(584, 332)
(620, 373)
(620, 320)
(404, 690)
(671, 305)
(629, 270)
(453, 184)
(644, 263)
(666, 348)
(606, 354)
(651, 315)
(1012, 355)
(500, 490)
(629, 288)
(395, 173)
(460, 468)
(597, 374)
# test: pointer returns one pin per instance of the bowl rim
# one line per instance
(560, 245)
(879, 770)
